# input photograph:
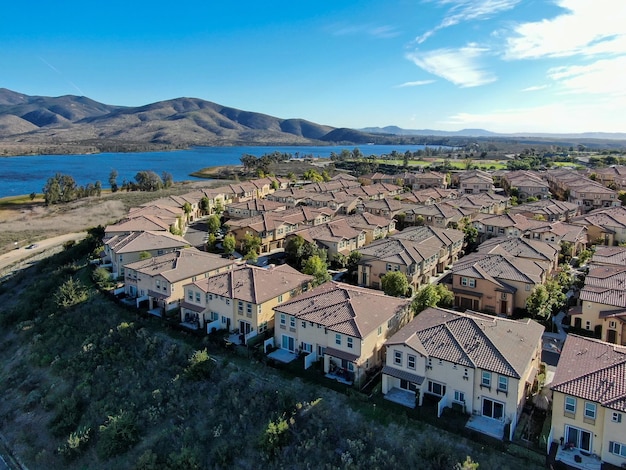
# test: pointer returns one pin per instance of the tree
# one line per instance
(187, 209)
(148, 181)
(432, 296)
(249, 245)
(70, 293)
(32, 196)
(316, 267)
(205, 205)
(471, 234)
(538, 303)
(113, 181)
(294, 250)
(218, 208)
(395, 283)
(211, 241)
(168, 179)
(59, 188)
(229, 243)
(213, 224)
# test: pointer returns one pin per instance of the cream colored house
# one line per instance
(241, 300)
(121, 250)
(160, 280)
(483, 365)
(589, 403)
(342, 325)
(603, 303)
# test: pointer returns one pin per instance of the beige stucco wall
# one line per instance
(560, 420)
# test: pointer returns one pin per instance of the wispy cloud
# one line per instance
(584, 28)
(377, 31)
(585, 116)
(459, 66)
(462, 11)
(535, 88)
(52, 67)
(416, 83)
(600, 77)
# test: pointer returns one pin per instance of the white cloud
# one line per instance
(468, 10)
(586, 28)
(562, 117)
(416, 83)
(600, 77)
(459, 66)
(535, 88)
(377, 31)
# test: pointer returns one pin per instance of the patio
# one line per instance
(340, 376)
(282, 355)
(571, 456)
(401, 397)
(488, 426)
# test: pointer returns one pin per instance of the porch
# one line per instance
(488, 426)
(401, 397)
(282, 355)
(576, 458)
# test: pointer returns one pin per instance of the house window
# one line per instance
(303, 324)
(410, 361)
(349, 342)
(249, 309)
(590, 410)
(486, 379)
(280, 298)
(436, 388)
(197, 296)
(190, 295)
(283, 319)
(337, 339)
(617, 448)
(240, 306)
(397, 358)
(468, 282)
(292, 322)
(579, 438)
(616, 417)
(570, 405)
(503, 383)
(459, 396)
(380, 330)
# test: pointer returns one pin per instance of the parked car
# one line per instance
(31, 246)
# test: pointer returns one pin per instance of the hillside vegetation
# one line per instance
(87, 383)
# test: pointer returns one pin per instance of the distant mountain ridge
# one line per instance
(395, 130)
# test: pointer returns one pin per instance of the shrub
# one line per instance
(70, 293)
(67, 417)
(76, 444)
(117, 435)
(200, 366)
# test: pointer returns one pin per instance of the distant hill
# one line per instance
(395, 130)
(179, 122)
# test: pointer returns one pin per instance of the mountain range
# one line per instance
(78, 122)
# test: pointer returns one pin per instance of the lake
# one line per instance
(27, 174)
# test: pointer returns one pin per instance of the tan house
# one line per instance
(603, 303)
(429, 179)
(254, 207)
(474, 182)
(551, 210)
(527, 184)
(342, 325)
(416, 260)
(449, 241)
(441, 215)
(605, 226)
(546, 253)
(121, 250)
(589, 404)
(140, 223)
(241, 300)
(429, 196)
(482, 365)
(495, 283)
(160, 280)
(375, 227)
(336, 236)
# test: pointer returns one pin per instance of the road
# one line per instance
(22, 257)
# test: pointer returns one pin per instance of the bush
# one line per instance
(117, 435)
(76, 443)
(200, 366)
(67, 417)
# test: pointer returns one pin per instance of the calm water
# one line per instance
(27, 174)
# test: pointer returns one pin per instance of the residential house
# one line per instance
(160, 279)
(482, 203)
(525, 184)
(589, 404)
(449, 241)
(605, 226)
(603, 303)
(140, 223)
(484, 366)
(375, 227)
(342, 325)
(336, 236)
(495, 283)
(241, 300)
(383, 207)
(416, 260)
(441, 215)
(509, 225)
(429, 196)
(613, 176)
(473, 182)
(270, 227)
(429, 179)
(254, 207)
(546, 253)
(551, 210)
(121, 250)
(559, 232)
(609, 256)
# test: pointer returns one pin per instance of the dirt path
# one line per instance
(24, 257)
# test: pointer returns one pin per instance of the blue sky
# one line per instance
(501, 65)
